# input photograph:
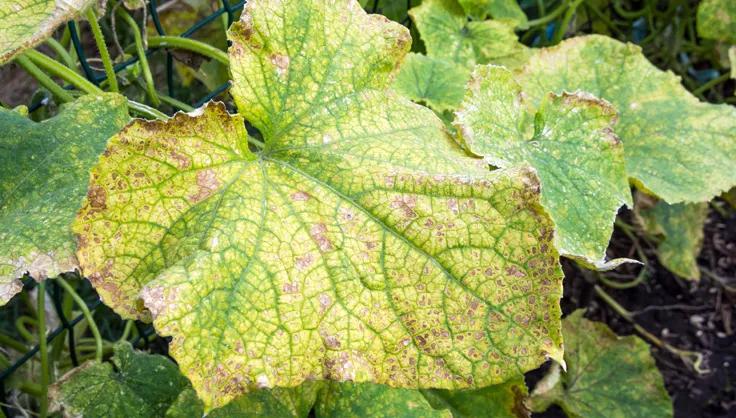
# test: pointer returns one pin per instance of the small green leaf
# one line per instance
(26, 23)
(135, 385)
(717, 20)
(43, 178)
(505, 400)
(681, 227)
(498, 9)
(438, 83)
(358, 243)
(569, 140)
(607, 376)
(358, 400)
(675, 146)
(448, 35)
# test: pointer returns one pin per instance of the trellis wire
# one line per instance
(97, 77)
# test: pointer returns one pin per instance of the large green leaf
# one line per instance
(437, 82)
(358, 400)
(26, 23)
(296, 402)
(568, 139)
(498, 9)
(607, 376)
(448, 35)
(681, 229)
(134, 385)
(360, 243)
(717, 20)
(676, 147)
(43, 178)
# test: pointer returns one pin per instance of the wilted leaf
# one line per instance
(448, 35)
(135, 385)
(44, 176)
(568, 139)
(607, 376)
(498, 9)
(681, 227)
(505, 400)
(676, 147)
(26, 23)
(717, 20)
(359, 244)
(438, 83)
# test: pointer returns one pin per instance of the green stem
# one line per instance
(626, 14)
(61, 53)
(140, 50)
(63, 72)
(87, 314)
(43, 350)
(20, 326)
(61, 95)
(13, 343)
(146, 111)
(190, 45)
(550, 17)
(102, 47)
(712, 83)
(126, 331)
(560, 32)
(31, 388)
(257, 143)
(175, 103)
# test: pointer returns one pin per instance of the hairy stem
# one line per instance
(61, 95)
(87, 315)
(102, 47)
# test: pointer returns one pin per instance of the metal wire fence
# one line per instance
(54, 290)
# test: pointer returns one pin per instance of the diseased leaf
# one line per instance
(438, 83)
(140, 385)
(358, 400)
(505, 400)
(448, 35)
(359, 244)
(717, 20)
(294, 402)
(568, 139)
(681, 227)
(43, 178)
(26, 23)
(607, 376)
(498, 9)
(676, 147)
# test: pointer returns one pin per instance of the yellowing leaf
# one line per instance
(359, 243)
(607, 376)
(569, 140)
(43, 179)
(681, 227)
(135, 385)
(438, 83)
(448, 35)
(676, 147)
(26, 23)
(717, 20)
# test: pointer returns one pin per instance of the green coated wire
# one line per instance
(43, 350)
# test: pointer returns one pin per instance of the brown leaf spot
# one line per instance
(182, 161)
(281, 62)
(318, 233)
(97, 197)
(207, 183)
(303, 262)
(300, 196)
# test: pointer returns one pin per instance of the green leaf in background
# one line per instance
(438, 83)
(134, 385)
(681, 229)
(26, 23)
(568, 139)
(505, 400)
(498, 9)
(395, 10)
(675, 146)
(448, 35)
(358, 243)
(294, 402)
(44, 177)
(607, 376)
(717, 20)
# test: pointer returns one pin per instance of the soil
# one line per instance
(687, 315)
